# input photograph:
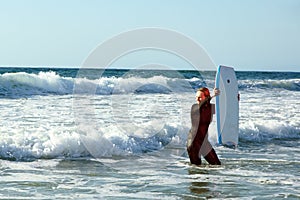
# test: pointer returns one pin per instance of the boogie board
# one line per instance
(227, 107)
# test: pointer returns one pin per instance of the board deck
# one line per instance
(227, 106)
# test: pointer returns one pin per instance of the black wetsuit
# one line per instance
(198, 143)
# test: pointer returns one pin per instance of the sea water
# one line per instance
(121, 134)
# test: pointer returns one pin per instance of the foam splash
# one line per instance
(84, 142)
(33, 146)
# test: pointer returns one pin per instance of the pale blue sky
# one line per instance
(248, 34)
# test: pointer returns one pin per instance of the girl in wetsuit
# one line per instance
(201, 116)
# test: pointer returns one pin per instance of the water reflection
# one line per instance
(198, 186)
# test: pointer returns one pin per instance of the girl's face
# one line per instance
(200, 96)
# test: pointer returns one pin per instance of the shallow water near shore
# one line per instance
(153, 176)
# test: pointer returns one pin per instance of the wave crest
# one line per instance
(287, 84)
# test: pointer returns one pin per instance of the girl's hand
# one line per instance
(216, 91)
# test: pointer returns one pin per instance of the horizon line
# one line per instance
(108, 68)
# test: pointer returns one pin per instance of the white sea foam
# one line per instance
(140, 115)
(43, 128)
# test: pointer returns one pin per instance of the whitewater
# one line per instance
(81, 134)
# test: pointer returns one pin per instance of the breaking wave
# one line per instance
(49, 83)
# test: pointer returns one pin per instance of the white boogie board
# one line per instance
(227, 107)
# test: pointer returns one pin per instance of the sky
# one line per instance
(248, 35)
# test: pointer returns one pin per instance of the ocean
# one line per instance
(121, 134)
